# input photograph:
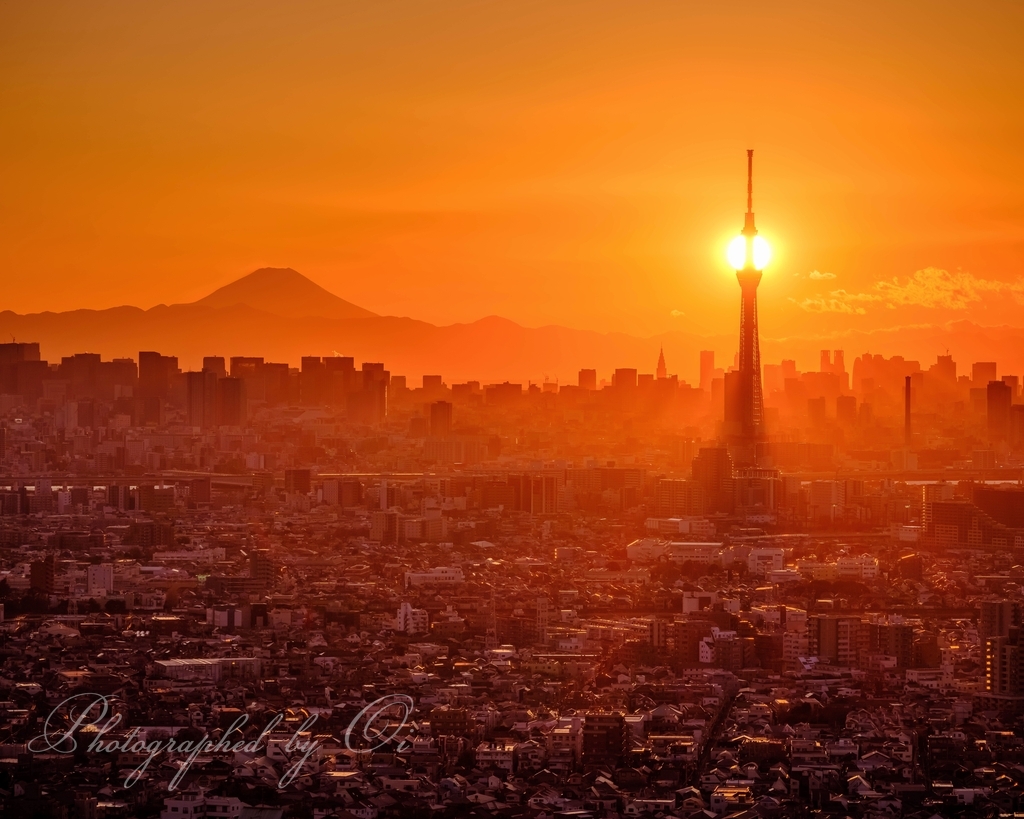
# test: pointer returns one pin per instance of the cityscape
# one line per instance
(643, 435)
(622, 597)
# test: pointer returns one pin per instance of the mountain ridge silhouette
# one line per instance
(491, 348)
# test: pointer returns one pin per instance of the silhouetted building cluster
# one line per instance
(594, 598)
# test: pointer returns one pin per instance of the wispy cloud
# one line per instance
(817, 275)
(677, 313)
(932, 288)
(831, 304)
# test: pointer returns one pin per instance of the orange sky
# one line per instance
(551, 162)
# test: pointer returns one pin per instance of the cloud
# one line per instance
(822, 304)
(817, 275)
(677, 313)
(937, 288)
(932, 288)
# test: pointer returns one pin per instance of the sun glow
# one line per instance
(737, 252)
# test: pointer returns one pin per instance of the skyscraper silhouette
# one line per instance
(744, 404)
(707, 368)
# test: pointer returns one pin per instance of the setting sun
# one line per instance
(761, 253)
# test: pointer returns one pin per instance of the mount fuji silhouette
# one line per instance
(283, 292)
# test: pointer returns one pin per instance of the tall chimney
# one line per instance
(906, 411)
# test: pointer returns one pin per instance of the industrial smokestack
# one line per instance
(906, 412)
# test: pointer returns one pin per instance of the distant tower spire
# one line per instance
(662, 370)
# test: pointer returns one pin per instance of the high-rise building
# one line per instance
(201, 398)
(152, 498)
(536, 494)
(297, 480)
(744, 404)
(997, 617)
(232, 402)
(342, 379)
(117, 378)
(588, 379)
(839, 362)
(195, 403)
(120, 497)
(99, 579)
(368, 404)
(827, 500)
(261, 567)
(275, 380)
(999, 397)
(605, 739)
(707, 368)
(687, 635)
(894, 640)
(215, 364)
(816, 410)
(624, 378)
(1004, 503)
(264, 381)
(201, 490)
(945, 369)
(756, 490)
(846, 410)
(313, 381)
(662, 370)
(1017, 424)
(42, 574)
(82, 371)
(712, 469)
(982, 372)
(155, 374)
(441, 419)
(675, 498)
(412, 620)
(14, 351)
(245, 365)
(837, 639)
(1004, 665)
(21, 371)
(384, 526)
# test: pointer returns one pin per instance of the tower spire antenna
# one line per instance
(748, 223)
(750, 180)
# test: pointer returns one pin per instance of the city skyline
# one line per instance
(297, 317)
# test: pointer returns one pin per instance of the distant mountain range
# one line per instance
(282, 315)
